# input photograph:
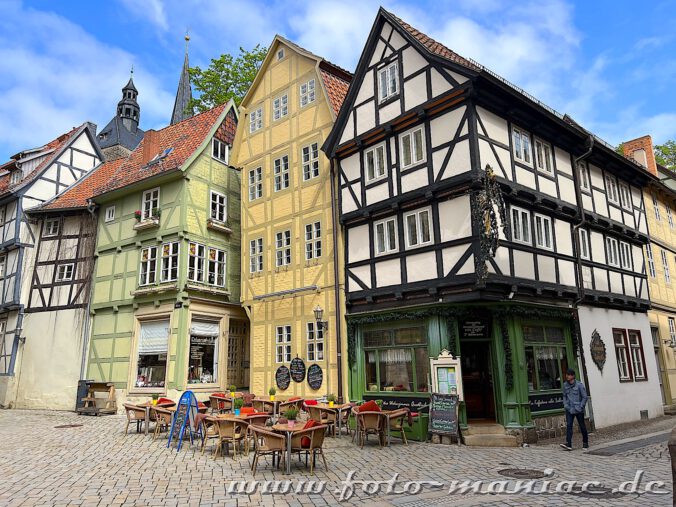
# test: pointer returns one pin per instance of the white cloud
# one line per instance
(152, 10)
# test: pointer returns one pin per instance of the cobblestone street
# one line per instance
(96, 464)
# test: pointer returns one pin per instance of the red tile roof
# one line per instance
(336, 88)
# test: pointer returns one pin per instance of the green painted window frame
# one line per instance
(566, 345)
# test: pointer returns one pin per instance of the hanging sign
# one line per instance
(443, 414)
(184, 418)
(297, 370)
(598, 350)
(283, 378)
(315, 376)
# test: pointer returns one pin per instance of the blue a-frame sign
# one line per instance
(185, 416)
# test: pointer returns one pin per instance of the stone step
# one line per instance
(490, 440)
(484, 429)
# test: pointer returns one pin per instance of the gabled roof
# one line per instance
(184, 140)
(116, 133)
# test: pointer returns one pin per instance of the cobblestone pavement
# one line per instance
(96, 464)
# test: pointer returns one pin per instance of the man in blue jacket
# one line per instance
(574, 400)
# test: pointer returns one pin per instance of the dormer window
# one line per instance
(388, 81)
(15, 177)
(160, 156)
(220, 150)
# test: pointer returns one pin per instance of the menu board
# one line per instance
(315, 376)
(443, 414)
(184, 419)
(298, 370)
(447, 379)
(283, 378)
(179, 419)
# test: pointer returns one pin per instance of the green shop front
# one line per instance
(513, 360)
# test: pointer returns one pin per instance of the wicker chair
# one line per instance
(134, 413)
(371, 423)
(286, 405)
(345, 418)
(397, 419)
(267, 443)
(209, 431)
(315, 435)
(220, 404)
(162, 418)
(229, 432)
(325, 416)
(258, 420)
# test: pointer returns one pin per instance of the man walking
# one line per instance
(574, 401)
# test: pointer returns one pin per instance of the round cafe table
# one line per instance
(284, 428)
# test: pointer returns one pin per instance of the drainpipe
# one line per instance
(336, 271)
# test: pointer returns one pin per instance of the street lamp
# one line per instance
(319, 314)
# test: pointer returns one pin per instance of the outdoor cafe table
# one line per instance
(284, 428)
(337, 408)
(148, 405)
(275, 406)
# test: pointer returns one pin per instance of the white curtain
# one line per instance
(204, 329)
(395, 356)
(154, 337)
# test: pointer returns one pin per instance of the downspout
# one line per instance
(91, 208)
(336, 272)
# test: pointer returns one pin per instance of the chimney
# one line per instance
(641, 151)
(151, 146)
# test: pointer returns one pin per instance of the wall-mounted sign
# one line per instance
(475, 327)
(178, 304)
(598, 350)
(420, 405)
(542, 402)
(446, 374)
(283, 378)
(315, 376)
(297, 370)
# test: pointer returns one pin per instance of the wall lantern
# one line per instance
(319, 314)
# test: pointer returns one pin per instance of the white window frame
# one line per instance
(583, 173)
(522, 146)
(543, 226)
(625, 255)
(281, 172)
(149, 277)
(280, 107)
(307, 93)
(64, 274)
(220, 151)
(625, 196)
(315, 342)
(150, 201)
(256, 120)
(256, 255)
(283, 344)
(216, 267)
(221, 210)
(169, 261)
(651, 261)
(255, 183)
(612, 252)
(390, 87)
(544, 161)
(52, 226)
(419, 239)
(387, 236)
(409, 138)
(309, 156)
(612, 191)
(282, 248)
(622, 356)
(3, 265)
(110, 213)
(656, 208)
(197, 262)
(665, 266)
(378, 155)
(636, 355)
(670, 217)
(517, 222)
(313, 240)
(585, 252)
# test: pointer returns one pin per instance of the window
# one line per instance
(546, 356)
(6, 346)
(110, 213)
(375, 163)
(169, 270)
(283, 248)
(216, 267)
(636, 353)
(280, 107)
(413, 147)
(521, 226)
(64, 272)
(220, 150)
(15, 177)
(386, 236)
(310, 156)
(203, 358)
(52, 227)
(584, 244)
(651, 261)
(196, 254)
(612, 252)
(2, 215)
(611, 189)
(672, 331)
(150, 203)
(255, 183)
(625, 196)
(625, 255)
(3, 265)
(256, 255)
(543, 156)
(283, 344)
(153, 346)
(521, 145)
(148, 271)
(388, 81)
(255, 120)
(313, 241)
(656, 208)
(418, 228)
(315, 342)
(396, 360)
(584, 176)
(281, 173)
(665, 265)
(307, 93)
(629, 353)
(543, 232)
(280, 54)
(670, 217)
(219, 209)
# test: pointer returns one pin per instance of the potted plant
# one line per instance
(331, 398)
(272, 391)
(291, 415)
(237, 405)
(233, 388)
(137, 215)
(157, 212)
(155, 398)
(379, 403)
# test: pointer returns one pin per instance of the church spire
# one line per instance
(127, 108)
(184, 92)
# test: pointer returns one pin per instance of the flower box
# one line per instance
(148, 223)
(217, 225)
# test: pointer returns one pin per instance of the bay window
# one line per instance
(216, 267)
(169, 272)
(196, 255)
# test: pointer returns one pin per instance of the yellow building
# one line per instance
(660, 199)
(292, 261)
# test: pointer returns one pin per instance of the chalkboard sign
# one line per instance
(184, 418)
(298, 370)
(283, 378)
(443, 414)
(315, 376)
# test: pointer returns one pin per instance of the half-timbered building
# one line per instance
(481, 221)
(39, 361)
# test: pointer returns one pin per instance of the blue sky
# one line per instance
(610, 65)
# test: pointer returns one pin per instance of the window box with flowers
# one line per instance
(149, 222)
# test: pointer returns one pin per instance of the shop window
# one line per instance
(203, 359)
(546, 357)
(396, 360)
(152, 353)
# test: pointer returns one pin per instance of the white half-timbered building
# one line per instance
(461, 197)
(39, 352)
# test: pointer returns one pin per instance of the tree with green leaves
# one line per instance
(226, 78)
(665, 154)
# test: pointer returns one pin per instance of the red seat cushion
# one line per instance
(414, 414)
(247, 410)
(305, 441)
(220, 395)
(164, 400)
(310, 402)
(295, 398)
(369, 406)
(201, 405)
